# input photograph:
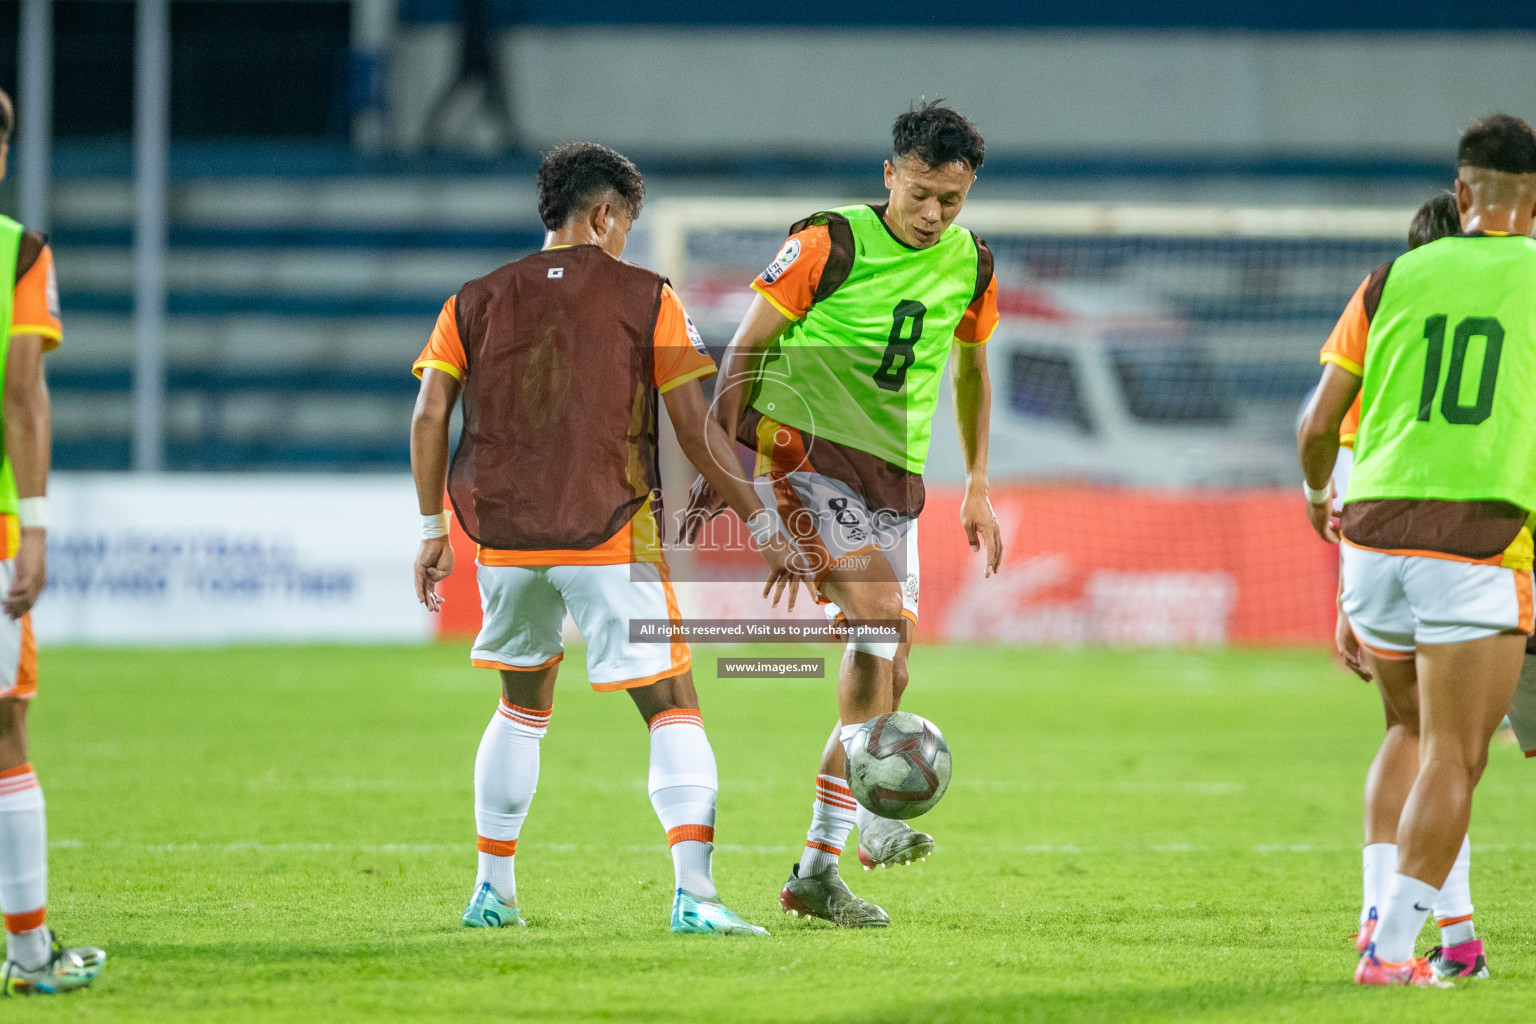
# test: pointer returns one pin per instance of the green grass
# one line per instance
(283, 834)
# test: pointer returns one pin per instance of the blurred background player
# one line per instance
(560, 357)
(35, 961)
(1460, 953)
(1437, 555)
(832, 378)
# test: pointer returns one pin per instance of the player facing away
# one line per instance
(35, 961)
(560, 358)
(1391, 775)
(832, 378)
(1436, 556)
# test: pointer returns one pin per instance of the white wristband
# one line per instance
(763, 524)
(434, 526)
(1317, 496)
(33, 513)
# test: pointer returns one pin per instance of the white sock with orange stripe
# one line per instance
(1453, 907)
(506, 777)
(683, 784)
(23, 867)
(833, 816)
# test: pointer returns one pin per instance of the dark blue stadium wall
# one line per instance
(1264, 15)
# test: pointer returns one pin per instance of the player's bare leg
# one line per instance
(506, 775)
(35, 962)
(1464, 690)
(865, 690)
(883, 842)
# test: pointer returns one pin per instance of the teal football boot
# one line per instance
(694, 916)
(486, 910)
(66, 971)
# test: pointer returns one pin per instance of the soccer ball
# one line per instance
(898, 765)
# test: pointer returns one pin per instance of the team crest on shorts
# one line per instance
(781, 262)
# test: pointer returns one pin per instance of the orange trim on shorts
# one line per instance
(655, 677)
(496, 847)
(15, 923)
(503, 666)
(680, 652)
(26, 665)
(1446, 922)
(811, 844)
(690, 834)
(1523, 595)
(1497, 559)
(11, 773)
(1381, 652)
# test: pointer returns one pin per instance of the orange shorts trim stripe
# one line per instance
(1382, 652)
(690, 834)
(27, 921)
(1497, 559)
(677, 716)
(496, 847)
(11, 773)
(655, 677)
(26, 663)
(811, 844)
(1523, 594)
(503, 666)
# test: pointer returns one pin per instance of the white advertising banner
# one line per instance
(170, 559)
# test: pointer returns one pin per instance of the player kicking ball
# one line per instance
(832, 378)
(560, 359)
(36, 963)
(1460, 953)
(1436, 555)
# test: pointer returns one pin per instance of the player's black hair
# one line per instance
(1498, 142)
(938, 135)
(1435, 219)
(573, 176)
(7, 116)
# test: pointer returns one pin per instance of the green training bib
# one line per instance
(863, 366)
(10, 246)
(1448, 400)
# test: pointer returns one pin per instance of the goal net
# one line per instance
(1146, 378)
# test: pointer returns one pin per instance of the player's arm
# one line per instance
(713, 453)
(1317, 442)
(973, 415)
(429, 467)
(760, 328)
(784, 292)
(28, 442)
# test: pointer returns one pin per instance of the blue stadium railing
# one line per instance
(213, 452)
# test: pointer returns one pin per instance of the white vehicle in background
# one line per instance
(1137, 406)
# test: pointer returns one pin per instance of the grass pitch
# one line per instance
(286, 834)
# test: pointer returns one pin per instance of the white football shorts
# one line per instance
(831, 524)
(1395, 602)
(523, 612)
